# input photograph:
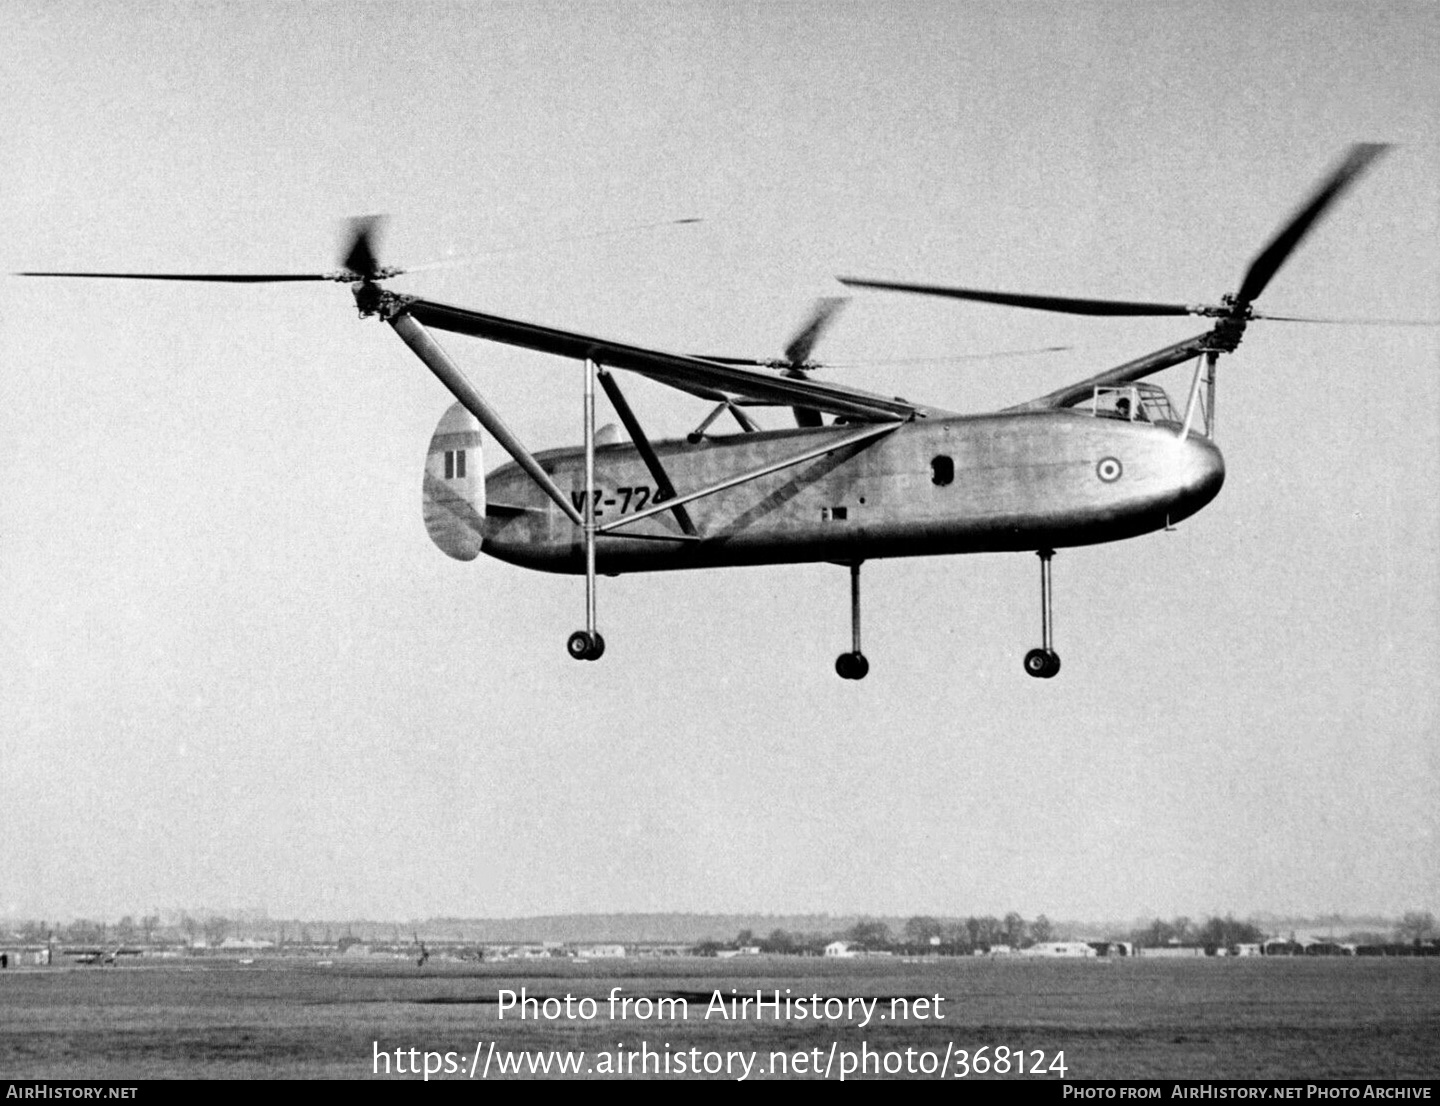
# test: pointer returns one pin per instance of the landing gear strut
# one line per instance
(587, 644)
(853, 665)
(1044, 662)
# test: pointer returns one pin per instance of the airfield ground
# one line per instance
(1290, 1018)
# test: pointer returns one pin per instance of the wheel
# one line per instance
(851, 666)
(579, 645)
(597, 648)
(1042, 663)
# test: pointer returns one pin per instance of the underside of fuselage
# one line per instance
(967, 484)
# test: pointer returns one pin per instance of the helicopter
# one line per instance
(860, 475)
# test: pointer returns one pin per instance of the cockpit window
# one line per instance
(1133, 403)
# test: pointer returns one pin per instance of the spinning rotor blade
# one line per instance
(226, 278)
(516, 247)
(1283, 244)
(796, 362)
(1074, 306)
(772, 363)
(826, 308)
(997, 355)
(1344, 321)
(361, 258)
(1068, 304)
(755, 362)
(359, 261)
(1266, 264)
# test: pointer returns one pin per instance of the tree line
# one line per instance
(952, 936)
(919, 934)
(922, 933)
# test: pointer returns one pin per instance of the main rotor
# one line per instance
(1234, 311)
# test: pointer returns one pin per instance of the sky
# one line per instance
(236, 674)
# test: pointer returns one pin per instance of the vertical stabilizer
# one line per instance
(455, 486)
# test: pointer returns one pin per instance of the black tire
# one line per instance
(579, 645)
(851, 666)
(597, 647)
(1053, 667)
(1037, 664)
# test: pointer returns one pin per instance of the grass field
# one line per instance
(1189, 1019)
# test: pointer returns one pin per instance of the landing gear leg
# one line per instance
(1044, 662)
(587, 644)
(853, 665)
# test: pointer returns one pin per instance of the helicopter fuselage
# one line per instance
(962, 484)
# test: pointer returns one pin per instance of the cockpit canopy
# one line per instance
(1139, 402)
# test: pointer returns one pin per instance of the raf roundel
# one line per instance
(1109, 470)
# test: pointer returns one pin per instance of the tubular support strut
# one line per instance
(589, 525)
(1047, 614)
(1211, 358)
(866, 434)
(646, 450)
(1044, 662)
(855, 606)
(1204, 373)
(853, 665)
(428, 350)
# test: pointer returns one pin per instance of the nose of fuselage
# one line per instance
(1201, 473)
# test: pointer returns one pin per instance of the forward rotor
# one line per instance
(1233, 309)
(359, 264)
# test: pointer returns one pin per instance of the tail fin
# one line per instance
(455, 486)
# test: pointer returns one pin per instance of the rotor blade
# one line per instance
(947, 360)
(361, 257)
(773, 363)
(517, 247)
(227, 278)
(798, 351)
(1275, 254)
(757, 362)
(1066, 304)
(1345, 321)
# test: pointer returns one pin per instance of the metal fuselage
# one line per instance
(963, 484)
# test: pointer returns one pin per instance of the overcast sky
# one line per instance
(235, 672)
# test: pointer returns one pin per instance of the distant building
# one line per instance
(600, 952)
(246, 944)
(841, 948)
(1060, 948)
